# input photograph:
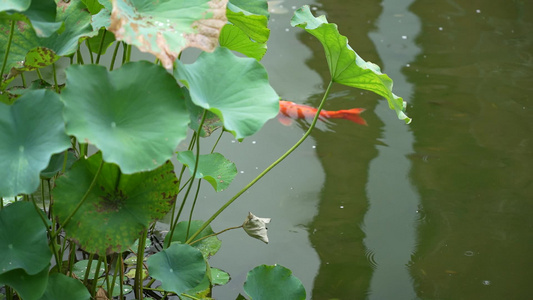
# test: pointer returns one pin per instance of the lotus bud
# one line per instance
(256, 227)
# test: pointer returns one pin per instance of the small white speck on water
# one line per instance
(286, 29)
(314, 8)
(314, 147)
(404, 37)
(342, 206)
(408, 65)
(242, 172)
(486, 282)
(233, 141)
(478, 11)
(440, 28)
(254, 142)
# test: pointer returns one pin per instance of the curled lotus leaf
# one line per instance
(165, 28)
(345, 65)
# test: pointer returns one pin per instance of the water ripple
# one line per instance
(369, 254)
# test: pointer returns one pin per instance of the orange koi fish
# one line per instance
(293, 110)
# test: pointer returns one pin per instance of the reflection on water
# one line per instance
(464, 230)
(473, 151)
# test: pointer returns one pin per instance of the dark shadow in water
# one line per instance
(345, 150)
(473, 158)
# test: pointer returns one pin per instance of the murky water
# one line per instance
(439, 209)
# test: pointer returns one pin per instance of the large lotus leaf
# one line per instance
(118, 208)
(40, 13)
(214, 168)
(208, 246)
(165, 28)
(31, 130)
(180, 267)
(76, 20)
(273, 282)
(235, 39)
(134, 114)
(345, 65)
(63, 287)
(29, 287)
(24, 241)
(234, 88)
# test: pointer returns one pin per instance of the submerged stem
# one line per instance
(275, 163)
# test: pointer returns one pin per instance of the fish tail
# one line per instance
(353, 115)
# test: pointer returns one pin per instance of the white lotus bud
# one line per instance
(256, 227)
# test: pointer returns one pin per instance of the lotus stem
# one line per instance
(101, 47)
(191, 182)
(275, 163)
(7, 50)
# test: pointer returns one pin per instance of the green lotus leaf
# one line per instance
(40, 13)
(257, 7)
(56, 164)
(208, 246)
(214, 168)
(18, 5)
(93, 6)
(165, 28)
(211, 123)
(134, 114)
(273, 282)
(180, 267)
(61, 286)
(219, 277)
(77, 25)
(96, 41)
(345, 65)
(24, 240)
(29, 287)
(80, 268)
(39, 57)
(234, 88)
(118, 208)
(254, 26)
(31, 130)
(235, 39)
(103, 17)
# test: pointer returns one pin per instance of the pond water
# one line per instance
(438, 209)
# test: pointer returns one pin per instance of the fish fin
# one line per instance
(284, 120)
(353, 115)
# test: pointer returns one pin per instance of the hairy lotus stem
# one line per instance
(275, 163)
